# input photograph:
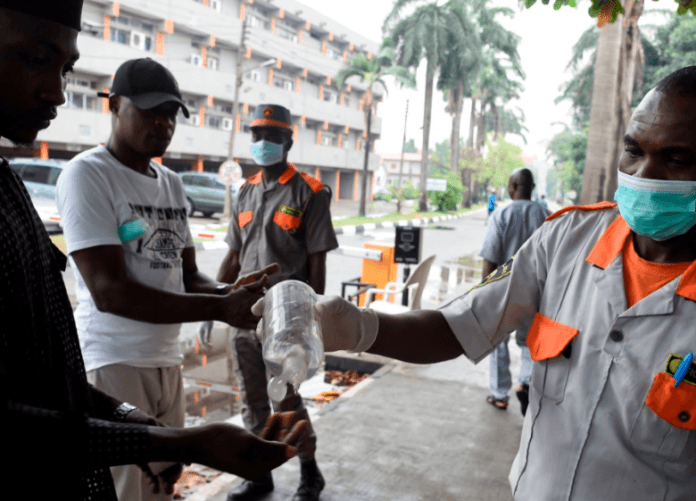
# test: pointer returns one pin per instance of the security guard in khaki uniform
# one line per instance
(610, 292)
(281, 216)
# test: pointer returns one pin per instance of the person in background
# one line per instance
(61, 433)
(543, 202)
(491, 204)
(281, 216)
(508, 229)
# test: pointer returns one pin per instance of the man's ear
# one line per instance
(288, 145)
(114, 104)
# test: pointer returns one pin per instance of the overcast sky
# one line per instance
(547, 37)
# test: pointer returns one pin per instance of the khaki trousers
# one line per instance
(158, 392)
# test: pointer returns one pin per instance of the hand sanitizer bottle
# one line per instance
(292, 343)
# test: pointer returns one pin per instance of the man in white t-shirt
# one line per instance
(128, 240)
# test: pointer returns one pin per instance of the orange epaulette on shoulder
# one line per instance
(313, 182)
(255, 179)
(597, 206)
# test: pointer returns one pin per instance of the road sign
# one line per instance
(435, 184)
(230, 172)
(408, 245)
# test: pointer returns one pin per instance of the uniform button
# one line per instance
(616, 336)
(684, 416)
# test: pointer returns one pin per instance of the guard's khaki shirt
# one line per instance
(604, 420)
(284, 222)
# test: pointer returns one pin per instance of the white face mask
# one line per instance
(266, 153)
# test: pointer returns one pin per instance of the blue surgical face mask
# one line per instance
(266, 153)
(655, 208)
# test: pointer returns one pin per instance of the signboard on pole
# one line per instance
(435, 184)
(230, 172)
(408, 245)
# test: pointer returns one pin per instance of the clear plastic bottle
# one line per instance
(292, 343)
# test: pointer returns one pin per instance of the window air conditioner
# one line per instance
(226, 124)
(137, 40)
(196, 60)
(196, 120)
(287, 85)
(216, 5)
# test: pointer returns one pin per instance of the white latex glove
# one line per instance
(344, 326)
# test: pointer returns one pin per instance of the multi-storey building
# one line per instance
(392, 164)
(199, 41)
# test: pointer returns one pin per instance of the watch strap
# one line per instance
(122, 411)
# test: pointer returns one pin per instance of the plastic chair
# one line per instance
(414, 287)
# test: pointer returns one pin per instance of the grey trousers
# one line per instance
(500, 379)
(252, 376)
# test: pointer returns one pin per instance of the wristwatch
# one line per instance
(221, 290)
(122, 411)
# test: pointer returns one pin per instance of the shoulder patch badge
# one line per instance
(499, 273)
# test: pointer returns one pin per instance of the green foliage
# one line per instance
(450, 198)
(551, 183)
(612, 7)
(495, 168)
(568, 150)
(410, 191)
(440, 160)
(410, 147)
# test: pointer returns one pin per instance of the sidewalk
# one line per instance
(408, 433)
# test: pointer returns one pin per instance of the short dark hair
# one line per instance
(680, 82)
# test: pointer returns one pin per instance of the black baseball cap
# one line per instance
(147, 83)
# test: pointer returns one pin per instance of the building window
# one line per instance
(213, 63)
(283, 84)
(214, 122)
(123, 20)
(254, 76)
(330, 97)
(196, 60)
(119, 36)
(90, 103)
(255, 21)
(327, 140)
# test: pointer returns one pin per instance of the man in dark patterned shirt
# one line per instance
(59, 434)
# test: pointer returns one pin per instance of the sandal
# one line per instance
(497, 403)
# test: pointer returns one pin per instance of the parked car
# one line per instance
(205, 192)
(39, 176)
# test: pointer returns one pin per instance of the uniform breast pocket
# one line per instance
(550, 347)
(667, 419)
(286, 221)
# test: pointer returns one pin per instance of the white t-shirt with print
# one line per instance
(96, 195)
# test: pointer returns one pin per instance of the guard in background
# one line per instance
(280, 216)
(509, 228)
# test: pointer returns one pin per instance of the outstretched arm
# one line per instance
(419, 337)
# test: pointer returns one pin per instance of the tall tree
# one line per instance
(461, 64)
(619, 61)
(421, 35)
(371, 71)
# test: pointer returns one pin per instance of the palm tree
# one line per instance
(460, 67)
(619, 59)
(371, 72)
(421, 35)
